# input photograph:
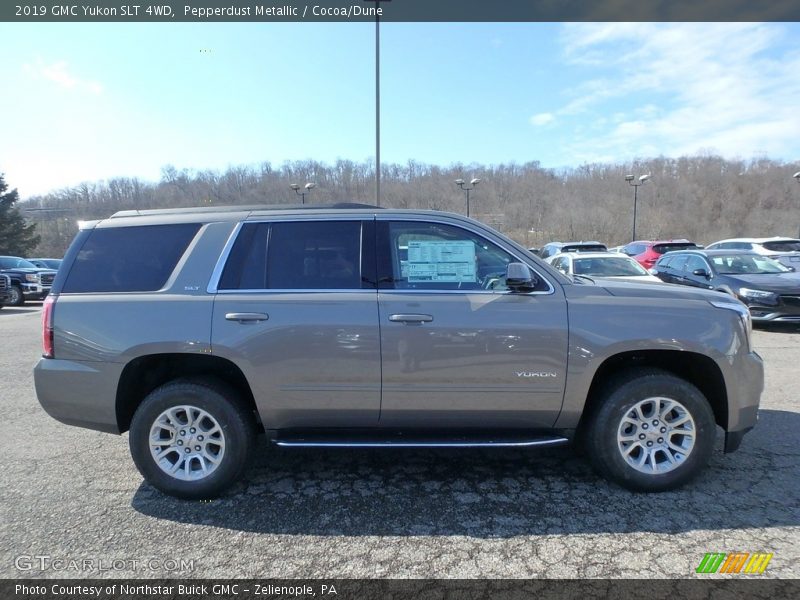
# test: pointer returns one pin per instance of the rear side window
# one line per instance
(129, 259)
(783, 246)
(303, 255)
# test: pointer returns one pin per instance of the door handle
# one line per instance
(410, 319)
(246, 317)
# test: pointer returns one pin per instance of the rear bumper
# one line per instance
(79, 393)
(744, 381)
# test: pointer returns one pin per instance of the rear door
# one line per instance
(296, 310)
(459, 349)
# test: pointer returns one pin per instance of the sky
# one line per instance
(89, 102)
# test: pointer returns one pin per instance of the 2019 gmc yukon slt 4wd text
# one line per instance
(197, 329)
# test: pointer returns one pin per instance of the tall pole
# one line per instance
(635, 200)
(377, 110)
(467, 200)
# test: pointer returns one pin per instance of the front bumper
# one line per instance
(744, 381)
(34, 291)
(785, 310)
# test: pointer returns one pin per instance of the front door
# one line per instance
(459, 349)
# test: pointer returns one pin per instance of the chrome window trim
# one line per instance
(216, 274)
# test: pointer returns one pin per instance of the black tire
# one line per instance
(224, 404)
(618, 399)
(17, 297)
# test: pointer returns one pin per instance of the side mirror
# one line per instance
(702, 273)
(519, 277)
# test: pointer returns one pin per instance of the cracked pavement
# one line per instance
(71, 493)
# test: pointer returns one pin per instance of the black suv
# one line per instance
(769, 289)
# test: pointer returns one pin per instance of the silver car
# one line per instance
(199, 329)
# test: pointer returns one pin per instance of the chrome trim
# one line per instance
(213, 283)
(300, 291)
(557, 441)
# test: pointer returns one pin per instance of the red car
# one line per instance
(648, 252)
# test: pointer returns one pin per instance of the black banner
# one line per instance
(400, 10)
(418, 589)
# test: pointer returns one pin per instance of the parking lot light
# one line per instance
(631, 179)
(307, 189)
(473, 182)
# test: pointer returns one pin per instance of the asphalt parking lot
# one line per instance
(74, 495)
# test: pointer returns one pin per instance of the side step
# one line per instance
(372, 439)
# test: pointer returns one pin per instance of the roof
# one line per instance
(711, 253)
(776, 238)
(582, 255)
(236, 209)
(654, 242)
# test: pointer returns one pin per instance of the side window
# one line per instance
(432, 256)
(664, 262)
(561, 264)
(693, 263)
(677, 263)
(129, 259)
(302, 255)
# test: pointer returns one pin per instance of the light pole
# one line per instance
(797, 179)
(473, 182)
(307, 187)
(635, 183)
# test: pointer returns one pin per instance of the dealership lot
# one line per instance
(74, 495)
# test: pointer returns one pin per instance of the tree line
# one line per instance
(703, 198)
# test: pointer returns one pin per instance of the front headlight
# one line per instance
(32, 277)
(757, 294)
(744, 315)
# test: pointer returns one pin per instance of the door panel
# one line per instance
(456, 353)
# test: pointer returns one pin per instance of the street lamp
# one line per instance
(797, 179)
(307, 187)
(473, 182)
(635, 183)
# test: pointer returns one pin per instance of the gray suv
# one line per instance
(198, 329)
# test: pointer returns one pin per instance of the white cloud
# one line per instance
(542, 119)
(58, 72)
(679, 88)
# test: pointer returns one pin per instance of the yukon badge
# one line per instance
(537, 374)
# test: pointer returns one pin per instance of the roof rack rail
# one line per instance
(246, 208)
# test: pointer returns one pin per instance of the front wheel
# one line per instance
(651, 432)
(16, 296)
(192, 439)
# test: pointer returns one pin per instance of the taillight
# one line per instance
(47, 326)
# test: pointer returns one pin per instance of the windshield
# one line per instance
(607, 267)
(747, 264)
(783, 246)
(12, 262)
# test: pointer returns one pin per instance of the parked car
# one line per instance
(608, 265)
(769, 289)
(648, 252)
(783, 249)
(46, 263)
(28, 282)
(554, 248)
(197, 329)
(5, 289)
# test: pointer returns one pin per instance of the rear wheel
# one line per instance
(652, 431)
(192, 439)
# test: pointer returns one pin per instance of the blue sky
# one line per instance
(84, 102)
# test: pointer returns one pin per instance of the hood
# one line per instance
(648, 289)
(781, 283)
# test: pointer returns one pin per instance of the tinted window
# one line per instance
(783, 246)
(634, 249)
(671, 247)
(310, 255)
(664, 262)
(678, 262)
(584, 248)
(693, 263)
(129, 259)
(12, 262)
(431, 256)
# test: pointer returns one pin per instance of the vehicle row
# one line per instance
(27, 279)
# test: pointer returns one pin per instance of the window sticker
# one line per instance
(440, 262)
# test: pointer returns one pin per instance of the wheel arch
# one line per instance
(145, 373)
(698, 369)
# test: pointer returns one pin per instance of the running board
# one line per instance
(373, 441)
